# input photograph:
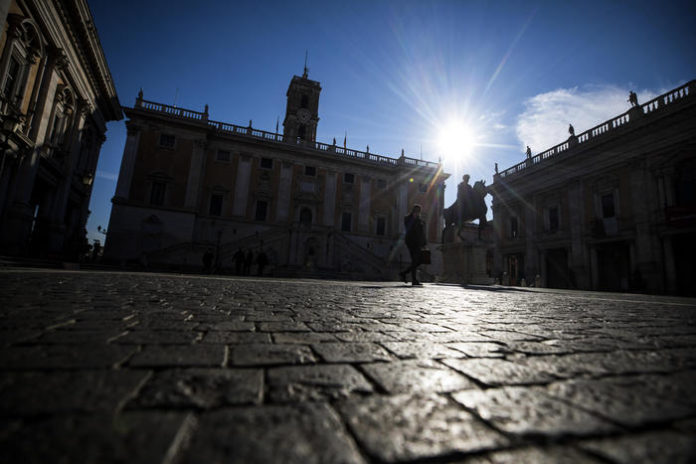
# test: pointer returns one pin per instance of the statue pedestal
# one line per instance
(465, 263)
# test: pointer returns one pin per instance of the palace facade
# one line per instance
(56, 95)
(613, 208)
(189, 185)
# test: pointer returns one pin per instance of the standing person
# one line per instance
(208, 261)
(261, 261)
(238, 259)
(248, 260)
(415, 241)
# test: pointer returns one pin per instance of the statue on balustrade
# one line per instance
(633, 98)
(470, 205)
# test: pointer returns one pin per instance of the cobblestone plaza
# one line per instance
(101, 367)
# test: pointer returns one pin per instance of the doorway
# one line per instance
(557, 273)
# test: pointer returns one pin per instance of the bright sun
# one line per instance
(456, 140)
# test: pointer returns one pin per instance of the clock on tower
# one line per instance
(302, 109)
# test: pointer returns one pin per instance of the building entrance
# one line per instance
(557, 272)
(684, 249)
(515, 268)
(613, 267)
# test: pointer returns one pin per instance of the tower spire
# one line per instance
(304, 74)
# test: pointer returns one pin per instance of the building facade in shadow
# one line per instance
(56, 95)
(189, 184)
(613, 208)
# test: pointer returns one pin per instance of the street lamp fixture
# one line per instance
(87, 179)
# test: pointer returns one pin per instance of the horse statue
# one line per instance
(469, 205)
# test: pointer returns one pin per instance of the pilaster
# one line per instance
(401, 204)
(241, 186)
(330, 198)
(576, 225)
(130, 153)
(195, 177)
(531, 265)
(284, 192)
(365, 202)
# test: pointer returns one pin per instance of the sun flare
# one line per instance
(456, 140)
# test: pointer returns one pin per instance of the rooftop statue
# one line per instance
(633, 98)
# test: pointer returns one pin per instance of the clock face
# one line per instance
(303, 115)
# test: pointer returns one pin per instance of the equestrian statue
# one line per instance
(470, 205)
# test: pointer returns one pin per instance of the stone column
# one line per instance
(284, 192)
(330, 198)
(241, 186)
(130, 153)
(195, 177)
(365, 203)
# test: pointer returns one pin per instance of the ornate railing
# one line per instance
(248, 131)
(606, 128)
(171, 110)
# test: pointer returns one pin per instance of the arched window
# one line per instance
(61, 118)
(22, 50)
(302, 131)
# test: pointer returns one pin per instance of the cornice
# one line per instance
(79, 23)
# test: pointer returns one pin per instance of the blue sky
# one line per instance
(395, 73)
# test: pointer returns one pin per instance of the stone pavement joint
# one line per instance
(160, 368)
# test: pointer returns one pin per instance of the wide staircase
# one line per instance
(349, 260)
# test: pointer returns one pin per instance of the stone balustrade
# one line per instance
(606, 128)
(248, 131)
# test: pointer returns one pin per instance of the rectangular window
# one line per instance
(346, 221)
(11, 78)
(310, 171)
(422, 188)
(261, 210)
(348, 178)
(157, 193)
(266, 163)
(514, 230)
(608, 210)
(215, 205)
(167, 140)
(307, 187)
(553, 219)
(223, 155)
(381, 184)
(381, 226)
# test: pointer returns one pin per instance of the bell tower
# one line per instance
(302, 110)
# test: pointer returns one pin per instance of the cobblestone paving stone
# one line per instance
(107, 367)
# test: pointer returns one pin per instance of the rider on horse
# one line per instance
(470, 205)
(464, 197)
